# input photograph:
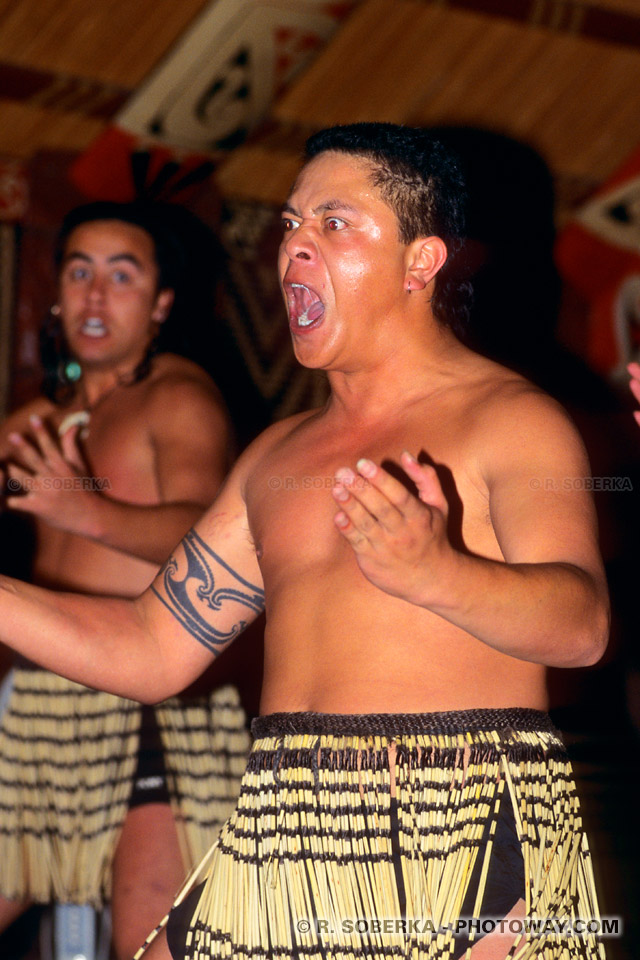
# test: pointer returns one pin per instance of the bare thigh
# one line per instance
(496, 945)
(147, 872)
(10, 910)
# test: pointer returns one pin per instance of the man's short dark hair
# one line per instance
(189, 260)
(422, 181)
(169, 252)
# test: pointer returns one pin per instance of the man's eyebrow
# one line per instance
(128, 257)
(335, 204)
(287, 208)
(75, 255)
(116, 258)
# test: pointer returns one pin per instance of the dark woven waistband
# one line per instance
(398, 724)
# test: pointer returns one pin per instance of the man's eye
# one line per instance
(119, 276)
(288, 224)
(334, 223)
(77, 273)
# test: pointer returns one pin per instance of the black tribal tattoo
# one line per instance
(200, 593)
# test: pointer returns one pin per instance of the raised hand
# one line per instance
(634, 370)
(50, 479)
(400, 540)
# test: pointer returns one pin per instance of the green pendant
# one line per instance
(73, 370)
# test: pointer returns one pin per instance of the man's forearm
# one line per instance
(146, 532)
(556, 614)
(101, 642)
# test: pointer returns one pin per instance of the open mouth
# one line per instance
(305, 306)
(93, 327)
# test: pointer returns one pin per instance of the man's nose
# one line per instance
(301, 244)
(96, 289)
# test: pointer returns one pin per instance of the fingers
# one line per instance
(69, 447)
(18, 483)
(355, 520)
(634, 383)
(426, 480)
(371, 497)
(372, 500)
(41, 452)
(48, 447)
(26, 452)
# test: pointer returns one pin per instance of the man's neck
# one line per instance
(97, 384)
(384, 384)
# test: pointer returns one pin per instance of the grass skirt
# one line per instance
(68, 756)
(393, 816)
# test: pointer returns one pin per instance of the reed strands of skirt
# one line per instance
(206, 743)
(61, 746)
(388, 816)
(68, 757)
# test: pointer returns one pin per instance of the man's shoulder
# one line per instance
(513, 420)
(175, 380)
(271, 442)
(278, 433)
(499, 395)
(168, 370)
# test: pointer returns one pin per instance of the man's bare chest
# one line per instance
(289, 497)
(115, 446)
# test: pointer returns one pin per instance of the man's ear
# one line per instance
(162, 306)
(427, 256)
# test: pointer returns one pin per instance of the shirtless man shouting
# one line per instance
(424, 548)
(114, 466)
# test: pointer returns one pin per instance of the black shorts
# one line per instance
(150, 778)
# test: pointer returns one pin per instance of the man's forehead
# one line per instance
(129, 239)
(331, 177)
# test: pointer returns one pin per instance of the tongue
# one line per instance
(307, 308)
(314, 312)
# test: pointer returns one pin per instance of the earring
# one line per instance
(69, 371)
(409, 286)
(55, 310)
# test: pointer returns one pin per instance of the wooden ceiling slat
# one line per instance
(612, 22)
(561, 105)
(421, 62)
(259, 174)
(111, 40)
(483, 82)
(366, 64)
(433, 65)
(25, 125)
(592, 128)
(511, 86)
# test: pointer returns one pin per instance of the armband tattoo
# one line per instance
(209, 584)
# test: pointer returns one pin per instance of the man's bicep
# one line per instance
(208, 595)
(540, 502)
(192, 448)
